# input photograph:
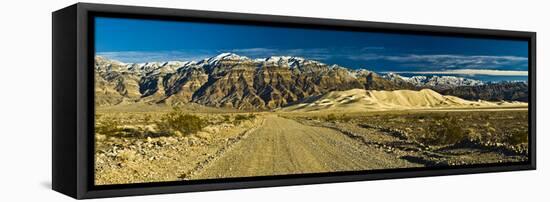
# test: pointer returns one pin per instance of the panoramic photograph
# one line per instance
(185, 101)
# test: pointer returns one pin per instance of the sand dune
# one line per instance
(360, 100)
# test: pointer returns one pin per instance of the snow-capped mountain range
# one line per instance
(289, 61)
(230, 80)
(440, 82)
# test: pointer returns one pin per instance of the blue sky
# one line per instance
(131, 40)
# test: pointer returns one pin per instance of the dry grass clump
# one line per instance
(175, 122)
(108, 125)
(517, 137)
(331, 118)
(444, 131)
(178, 121)
(239, 118)
(337, 118)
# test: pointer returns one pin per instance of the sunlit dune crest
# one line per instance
(360, 99)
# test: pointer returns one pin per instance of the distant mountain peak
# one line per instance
(225, 56)
(289, 61)
(442, 81)
(103, 60)
(392, 76)
(283, 58)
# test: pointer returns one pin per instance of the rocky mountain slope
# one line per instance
(516, 91)
(233, 81)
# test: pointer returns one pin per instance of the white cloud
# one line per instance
(448, 61)
(195, 55)
(488, 72)
(155, 56)
(433, 64)
(310, 53)
(253, 51)
(371, 48)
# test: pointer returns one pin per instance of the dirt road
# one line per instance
(284, 146)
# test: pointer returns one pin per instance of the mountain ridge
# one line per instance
(233, 81)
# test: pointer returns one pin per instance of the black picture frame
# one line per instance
(73, 100)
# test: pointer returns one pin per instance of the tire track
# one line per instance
(283, 146)
(231, 143)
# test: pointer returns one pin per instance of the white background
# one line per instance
(25, 100)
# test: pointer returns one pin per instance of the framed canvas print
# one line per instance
(154, 100)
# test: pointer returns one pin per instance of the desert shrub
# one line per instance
(147, 118)
(345, 118)
(418, 117)
(226, 118)
(331, 117)
(517, 137)
(108, 126)
(444, 131)
(241, 117)
(342, 118)
(182, 122)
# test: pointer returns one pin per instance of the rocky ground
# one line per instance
(122, 159)
(463, 137)
(241, 145)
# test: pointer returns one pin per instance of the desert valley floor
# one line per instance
(131, 149)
